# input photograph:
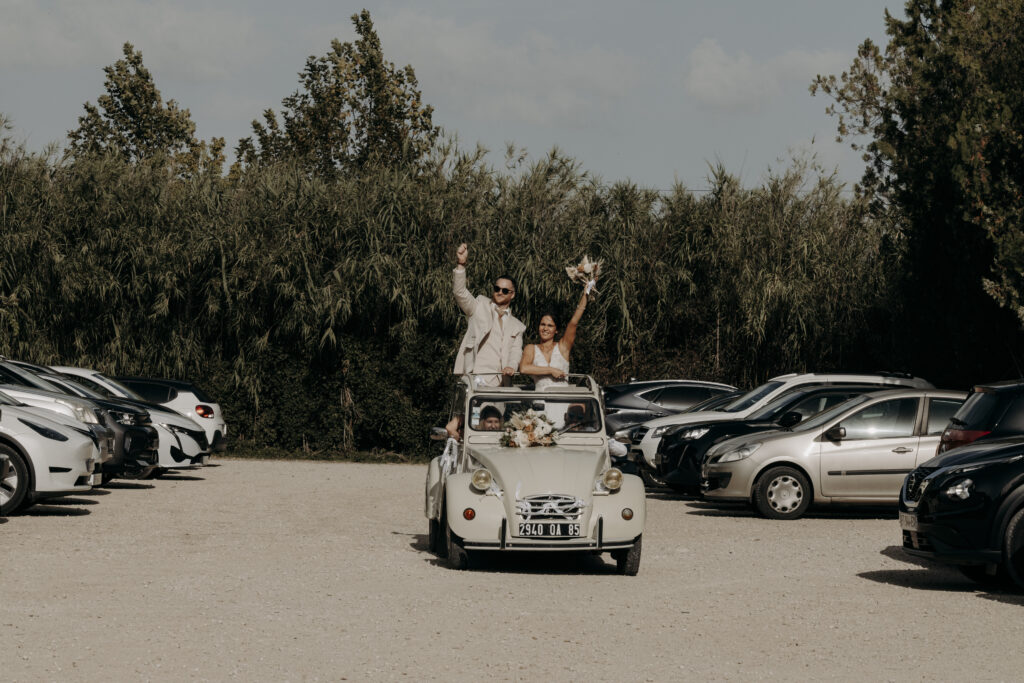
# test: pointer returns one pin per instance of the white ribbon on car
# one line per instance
(447, 462)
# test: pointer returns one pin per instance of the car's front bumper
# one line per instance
(603, 525)
(941, 540)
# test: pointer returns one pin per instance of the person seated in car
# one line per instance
(490, 420)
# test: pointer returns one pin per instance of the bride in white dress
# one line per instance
(549, 360)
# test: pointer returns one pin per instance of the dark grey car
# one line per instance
(637, 402)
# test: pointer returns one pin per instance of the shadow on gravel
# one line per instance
(51, 510)
(94, 492)
(933, 576)
(3, 520)
(125, 486)
(667, 494)
(532, 563)
(180, 477)
(73, 501)
(419, 541)
(708, 509)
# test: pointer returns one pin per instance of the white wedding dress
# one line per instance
(557, 361)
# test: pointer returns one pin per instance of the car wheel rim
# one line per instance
(785, 494)
(8, 481)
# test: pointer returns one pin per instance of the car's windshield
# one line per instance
(125, 391)
(826, 416)
(7, 400)
(77, 388)
(499, 413)
(711, 403)
(751, 397)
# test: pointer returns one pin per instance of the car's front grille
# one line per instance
(915, 484)
(550, 506)
(638, 435)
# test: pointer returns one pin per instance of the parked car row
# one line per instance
(953, 462)
(64, 430)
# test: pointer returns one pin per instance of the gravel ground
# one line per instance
(275, 570)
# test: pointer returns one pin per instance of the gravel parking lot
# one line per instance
(272, 570)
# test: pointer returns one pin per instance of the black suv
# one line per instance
(631, 404)
(991, 411)
(966, 507)
(681, 450)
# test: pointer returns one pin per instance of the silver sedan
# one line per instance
(856, 452)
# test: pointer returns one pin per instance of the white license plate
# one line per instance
(908, 521)
(95, 479)
(549, 530)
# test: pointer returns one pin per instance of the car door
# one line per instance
(879, 449)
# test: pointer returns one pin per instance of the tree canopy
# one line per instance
(941, 107)
(132, 120)
(353, 107)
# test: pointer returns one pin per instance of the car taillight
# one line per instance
(204, 411)
(953, 438)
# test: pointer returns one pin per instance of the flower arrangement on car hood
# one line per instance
(528, 429)
(585, 273)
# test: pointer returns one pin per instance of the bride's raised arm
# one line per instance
(569, 336)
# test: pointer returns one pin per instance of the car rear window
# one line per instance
(981, 410)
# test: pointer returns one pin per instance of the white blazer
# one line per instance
(478, 314)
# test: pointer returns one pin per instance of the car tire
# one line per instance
(458, 558)
(782, 493)
(14, 481)
(1013, 549)
(651, 480)
(627, 562)
(434, 536)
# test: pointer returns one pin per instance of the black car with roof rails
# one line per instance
(632, 403)
(991, 411)
(966, 507)
(682, 449)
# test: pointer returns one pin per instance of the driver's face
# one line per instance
(490, 424)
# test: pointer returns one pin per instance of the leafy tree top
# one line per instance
(132, 120)
(354, 107)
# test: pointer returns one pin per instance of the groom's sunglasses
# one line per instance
(503, 290)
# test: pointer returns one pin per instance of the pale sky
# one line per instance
(645, 91)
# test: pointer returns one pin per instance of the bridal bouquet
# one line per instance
(585, 273)
(528, 429)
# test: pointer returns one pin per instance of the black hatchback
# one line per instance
(991, 411)
(966, 507)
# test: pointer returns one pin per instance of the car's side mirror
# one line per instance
(438, 434)
(789, 419)
(836, 433)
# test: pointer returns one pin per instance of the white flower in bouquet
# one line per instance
(522, 440)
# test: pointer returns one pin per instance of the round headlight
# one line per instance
(612, 479)
(482, 480)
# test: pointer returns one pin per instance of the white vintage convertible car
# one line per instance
(532, 472)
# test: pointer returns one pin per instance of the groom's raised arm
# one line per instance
(462, 296)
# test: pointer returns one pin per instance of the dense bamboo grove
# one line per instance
(319, 311)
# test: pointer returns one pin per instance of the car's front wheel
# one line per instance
(458, 557)
(14, 482)
(627, 562)
(782, 493)
(434, 536)
(1013, 549)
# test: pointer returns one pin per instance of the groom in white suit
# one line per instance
(493, 344)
